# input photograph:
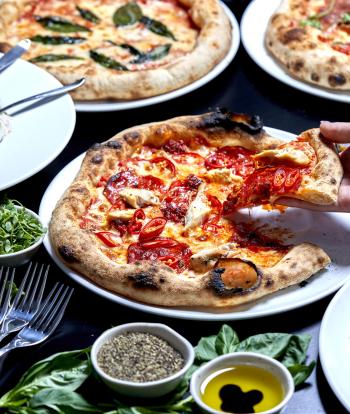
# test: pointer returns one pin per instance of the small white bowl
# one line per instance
(22, 256)
(149, 389)
(243, 358)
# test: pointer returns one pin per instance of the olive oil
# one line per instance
(242, 389)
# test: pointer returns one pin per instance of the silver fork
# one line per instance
(27, 300)
(5, 292)
(44, 322)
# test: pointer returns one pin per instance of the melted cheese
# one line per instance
(224, 176)
(138, 198)
(124, 215)
(293, 155)
(198, 210)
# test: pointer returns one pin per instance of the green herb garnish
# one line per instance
(126, 15)
(53, 385)
(51, 57)
(18, 228)
(313, 22)
(345, 18)
(106, 61)
(157, 27)
(57, 40)
(156, 53)
(88, 15)
(130, 49)
(58, 24)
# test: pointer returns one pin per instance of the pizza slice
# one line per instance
(146, 215)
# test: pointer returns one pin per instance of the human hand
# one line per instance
(339, 133)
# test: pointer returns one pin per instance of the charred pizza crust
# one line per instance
(210, 47)
(154, 282)
(298, 48)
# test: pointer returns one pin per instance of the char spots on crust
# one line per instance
(315, 77)
(221, 118)
(132, 137)
(333, 181)
(96, 159)
(67, 254)
(95, 146)
(336, 80)
(269, 283)
(114, 144)
(144, 280)
(298, 65)
(4, 47)
(293, 35)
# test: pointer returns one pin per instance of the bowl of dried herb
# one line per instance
(143, 360)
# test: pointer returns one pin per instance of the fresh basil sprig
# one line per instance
(157, 27)
(51, 57)
(57, 40)
(156, 53)
(126, 15)
(106, 61)
(88, 15)
(58, 24)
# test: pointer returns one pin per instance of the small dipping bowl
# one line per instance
(22, 256)
(278, 370)
(149, 389)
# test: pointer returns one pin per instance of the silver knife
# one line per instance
(13, 54)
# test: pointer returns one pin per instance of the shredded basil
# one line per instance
(157, 27)
(126, 15)
(106, 61)
(51, 57)
(313, 22)
(18, 228)
(57, 40)
(88, 15)
(58, 24)
(346, 18)
(156, 53)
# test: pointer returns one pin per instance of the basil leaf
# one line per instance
(157, 27)
(295, 352)
(88, 15)
(313, 22)
(156, 53)
(301, 372)
(131, 49)
(51, 57)
(270, 344)
(106, 61)
(58, 24)
(57, 40)
(226, 340)
(126, 15)
(206, 350)
(346, 18)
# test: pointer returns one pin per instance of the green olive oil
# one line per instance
(242, 389)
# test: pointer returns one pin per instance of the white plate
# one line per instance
(329, 230)
(39, 134)
(105, 106)
(253, 26)
(335, 345)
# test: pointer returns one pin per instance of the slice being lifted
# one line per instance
(149, 215)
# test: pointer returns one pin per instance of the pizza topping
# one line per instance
(51, 57)
(88, 15)
(155, 53)
(106, 61)
(135, 226)
(170, 252)
(198, 210)
(58, 24)
(224, 176)
(211, 223)
(175, 146)
(123, 215)
(108, 238)
(165, 161)
(117, 182)
(138, 197)
(57, 40)
(157, 27)
(152, 229)
(189, 158)
(286, 154)
(126, 15)
(236, 158)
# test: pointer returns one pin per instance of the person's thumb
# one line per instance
(335, 131)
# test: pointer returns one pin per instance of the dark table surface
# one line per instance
(242, 87)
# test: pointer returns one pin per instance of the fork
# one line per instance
(27, 300)
(5, 292)
(44, 322)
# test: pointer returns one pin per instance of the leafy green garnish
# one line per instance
(157, 27)
(156, 53)
(346, 18)
(57, 40)
(18, 228)
(51, 57)
(88, 15)
(130, 49)
(58, 24)
(53, 385)
(311, 21)
(126, 15)
(106, 61)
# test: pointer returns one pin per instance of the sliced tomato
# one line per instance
(168, 164)
(108, 238)
(152, 229)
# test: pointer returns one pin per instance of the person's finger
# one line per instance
(335, 131)
(292, 202)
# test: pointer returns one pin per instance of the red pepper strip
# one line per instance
(168, 260)
(139, 215)
(293, 179)
(279, 179)
(107, 237)
(161, 242)
(152, 229)
(167, 162)
(135, 226)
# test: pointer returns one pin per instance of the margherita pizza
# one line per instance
(311, 38)
(126, 49)
(149, 215)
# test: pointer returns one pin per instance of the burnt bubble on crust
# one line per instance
(336, 80)
(132, 137)
(97, 159)
(216, 283)
(227, 120)
(292, 35)
(67, 254)
(114, 144)
(144, 280)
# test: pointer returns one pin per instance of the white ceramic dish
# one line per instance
(253, 27)
(22, 256)
(146, 389)
(242, 358)
(329, 230)
(105, 106)
(38, 135)
(334, 345)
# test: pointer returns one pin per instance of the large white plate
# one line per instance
(253, 27)
(40, 133)
(329, 230)
(335, 345)
(105, 106)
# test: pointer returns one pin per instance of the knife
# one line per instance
(13, 54)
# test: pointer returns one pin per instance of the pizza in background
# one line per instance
(149, 215)
(311, 38)
(125, 49)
